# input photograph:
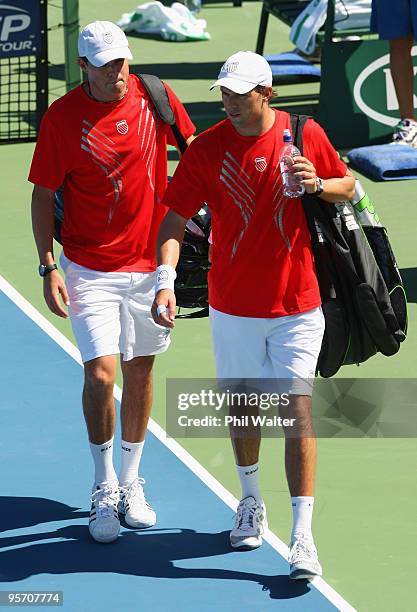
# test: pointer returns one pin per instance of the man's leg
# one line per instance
(137, 397)
(300, 447)
(250, 522)
(300, 467)
(294, 345)
(135, 412)
(300, 462)
(403, 75)
(246, 451)
(99, 413)
(95, 299)
(240, 352)
(98, 399)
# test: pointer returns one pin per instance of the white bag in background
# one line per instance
(175, 23)
(349, 14)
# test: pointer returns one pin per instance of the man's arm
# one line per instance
(43, 231)
(338, 189)
(334, 189)
(169, 241)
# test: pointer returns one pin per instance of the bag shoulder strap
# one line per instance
(297, 125)
(315, 210)
(158, 94)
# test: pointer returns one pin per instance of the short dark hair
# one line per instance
(261, 89)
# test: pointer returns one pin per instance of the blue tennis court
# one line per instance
(185, 563)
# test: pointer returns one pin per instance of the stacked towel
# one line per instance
(291, 63)
(389, 162)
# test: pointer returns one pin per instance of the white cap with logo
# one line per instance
(243, 71)
(101, 42)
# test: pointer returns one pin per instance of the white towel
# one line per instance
(349, 14)
(174, 23)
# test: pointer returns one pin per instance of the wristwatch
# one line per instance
(319, 186)
(44, 270)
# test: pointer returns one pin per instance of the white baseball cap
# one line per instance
(243, 71)
(103, 41)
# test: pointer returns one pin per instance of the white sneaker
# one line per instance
(138, 513)
(405, 133)
(104, 523)
(303, 558)
(250, 524)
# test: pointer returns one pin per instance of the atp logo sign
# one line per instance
(19, 28)
(370, 80)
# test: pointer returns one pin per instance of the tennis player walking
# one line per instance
(103, 142)
(264, 298)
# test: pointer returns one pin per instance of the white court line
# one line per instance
(180, 452)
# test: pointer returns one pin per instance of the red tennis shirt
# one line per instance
(112, 160)
(262, 261)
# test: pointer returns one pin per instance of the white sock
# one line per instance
(248, 475)
(103, 462)
(131, 455)
(302, 511)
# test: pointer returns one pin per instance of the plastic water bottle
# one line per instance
(292, 185)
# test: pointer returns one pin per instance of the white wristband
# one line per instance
(165, 277)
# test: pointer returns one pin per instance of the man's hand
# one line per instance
(54, 291)
(163, 308)
(305, 171)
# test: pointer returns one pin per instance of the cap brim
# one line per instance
(99, 59)
(239, 87)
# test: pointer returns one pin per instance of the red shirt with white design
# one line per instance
(112, 160)
(262, 261)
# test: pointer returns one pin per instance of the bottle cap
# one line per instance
(287, 136)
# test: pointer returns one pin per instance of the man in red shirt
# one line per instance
(105, 144)
(264, 298)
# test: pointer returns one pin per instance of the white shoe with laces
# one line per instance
(405, 133)
(104, 525)
(138, 512)
(303, 559)
(250, 524)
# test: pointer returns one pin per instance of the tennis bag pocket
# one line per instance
(336, 338)
(381, 326)
(378, 240)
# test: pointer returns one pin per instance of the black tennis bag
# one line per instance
(193, 265)
(363, 296)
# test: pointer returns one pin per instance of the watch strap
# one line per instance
(45, 270)
(319, 186)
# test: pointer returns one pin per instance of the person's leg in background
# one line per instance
(402, 71)
(397, 23)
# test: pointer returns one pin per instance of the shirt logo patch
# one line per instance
(108, 38)
(260, 164)
(122, 126)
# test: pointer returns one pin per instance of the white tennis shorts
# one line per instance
(280, 348)
(111, 312)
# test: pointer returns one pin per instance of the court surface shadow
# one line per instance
(71, 550)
